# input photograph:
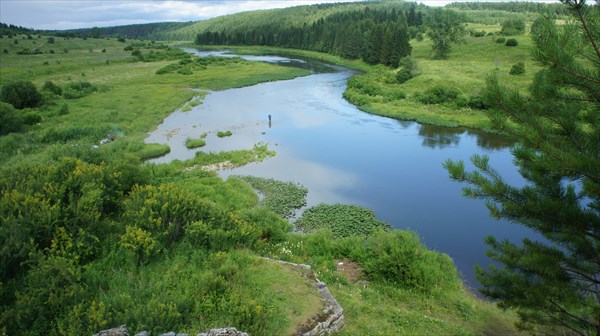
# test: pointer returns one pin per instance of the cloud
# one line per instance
(63, 14)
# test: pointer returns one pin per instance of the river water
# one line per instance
(343, 155)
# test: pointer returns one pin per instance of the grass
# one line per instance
(212, 289)
(194, 143)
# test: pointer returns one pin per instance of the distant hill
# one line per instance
(284, 18)
(148, 31)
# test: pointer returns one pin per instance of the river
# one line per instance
(343, 155)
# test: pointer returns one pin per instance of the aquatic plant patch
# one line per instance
(342, 219)
(194, 143)
(283, 198)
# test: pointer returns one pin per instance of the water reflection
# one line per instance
(439, 137)
(443, 137)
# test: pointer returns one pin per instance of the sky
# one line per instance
(71, 14)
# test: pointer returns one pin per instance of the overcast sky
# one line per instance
(68, 14)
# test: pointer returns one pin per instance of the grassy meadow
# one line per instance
(95, 239)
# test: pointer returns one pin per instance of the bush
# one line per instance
(21, 94)
(408, 69)
(128, 48)
(513, 27)
(224, 134)
(500, 40)
(476, 102)
(364, 85)
(440, 94)
(511, 43)
(10, 119)
(50, 86)
(399, 258)
(79, 89)
(51, 40)
(478, 33)
(185, 71)
(31, 118)
(517, 69)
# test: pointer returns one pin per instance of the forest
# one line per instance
(94, 236)
(377, 35)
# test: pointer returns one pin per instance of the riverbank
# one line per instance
(465, 70)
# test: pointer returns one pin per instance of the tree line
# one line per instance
(377, 35)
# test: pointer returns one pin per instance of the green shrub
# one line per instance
(476, 102)
(21, 94)
(512, 42)
(478, 33)
(408, 69)
(517, 69)
(500, 40)
(513, 27)
(50, 39)
(272, 227)
(403, 75)
(224, 134)
(363, 85)
(185, 71)
(440, 94)
(51, 87)
(128, 48)
(10, 119)
(31, 118)
(398, 257)
(79, 89)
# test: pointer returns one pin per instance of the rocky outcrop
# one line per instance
(223, 332)
(119, 331)
(122, 331)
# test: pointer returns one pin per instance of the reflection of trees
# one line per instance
(494, 142)
(440, 137)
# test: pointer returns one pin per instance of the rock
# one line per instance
(119, 331)
(142, 333)
(170, 333)
(223, 332)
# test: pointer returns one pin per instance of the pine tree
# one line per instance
(554, 281)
